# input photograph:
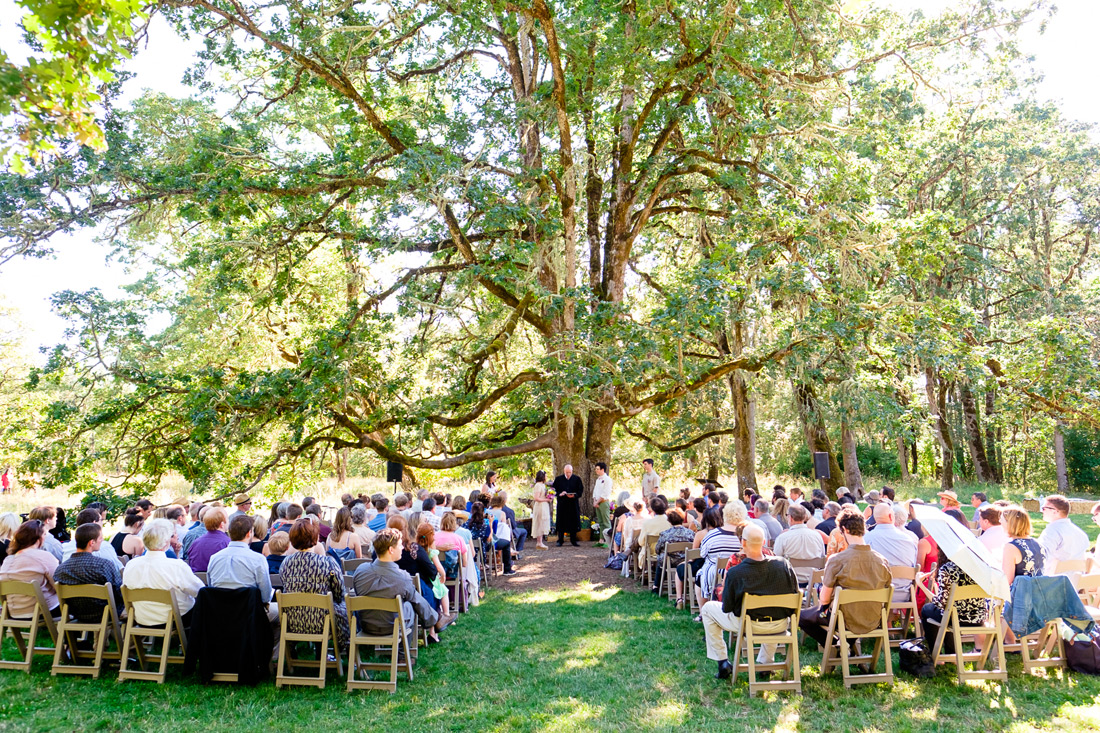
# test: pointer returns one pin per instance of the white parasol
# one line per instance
(963, 548)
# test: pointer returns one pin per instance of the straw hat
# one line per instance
(242, 499)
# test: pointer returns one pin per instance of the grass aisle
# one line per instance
(580, 658)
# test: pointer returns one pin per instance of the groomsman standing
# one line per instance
(651, 482)
(601, 500)
(568, 488)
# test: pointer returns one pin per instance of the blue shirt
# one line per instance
(237, 566)
(378, 523)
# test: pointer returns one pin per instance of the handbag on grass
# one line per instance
(915, 658)
(1083, 654)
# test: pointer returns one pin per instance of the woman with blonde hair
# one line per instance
(1022, 554)
(9, 522)
(779, 510)
(343, 539)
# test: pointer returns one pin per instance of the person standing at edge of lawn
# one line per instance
(651, 482)
(568, 488)
(601, 501)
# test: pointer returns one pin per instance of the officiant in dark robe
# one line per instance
(568, 488)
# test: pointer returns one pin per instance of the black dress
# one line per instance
(569, 509)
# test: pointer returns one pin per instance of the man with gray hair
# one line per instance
(829, 514)
(770, 523)
(898, 546)
(758, 575)
(156, 570)
(800, 542)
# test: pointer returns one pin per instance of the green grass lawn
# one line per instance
(586, 658)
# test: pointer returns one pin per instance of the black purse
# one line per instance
(915, 658)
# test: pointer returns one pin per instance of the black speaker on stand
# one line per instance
(821, 466)
(394, 473)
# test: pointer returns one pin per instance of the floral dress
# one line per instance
(972, 611)
(308, 572)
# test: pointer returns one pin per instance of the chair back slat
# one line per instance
(303, 600)
(370, 603)
(792, 601)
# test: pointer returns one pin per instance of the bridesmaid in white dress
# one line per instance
(540, 510)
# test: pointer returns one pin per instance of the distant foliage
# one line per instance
(1083, 458)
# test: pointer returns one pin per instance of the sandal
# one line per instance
(679, 604)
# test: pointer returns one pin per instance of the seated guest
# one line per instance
(757, 575)
(383, 578)
(898, 546)
(651, 527)
(677, 532)
(379, 521)
(843, 496)
(307, 572)
(358, 513)
(857, 567)
(156, 570)
(765, 519)
(1021, 554)
(800, 542)
(837, 543)
(195, 530)
(9, 522)
(243, 502)
(215, 539)
(518, 532)
(280, 523)
(1062, 539)
(48, 516)
(428, 515)
(127, 541)
(259, 533)
(481, 530)
(277, 548)
(87, 566)
(28, 562)
(829, 512)
(723, 540)
(343, 539)
(993, 534)
(401, 505)
(972, 612)
(458, 506)
(323, 532)
(979, 501)
(913, 525)
(91, 516)
(237, 566)
(779, 512)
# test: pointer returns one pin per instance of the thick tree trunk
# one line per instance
(982, 470)
(341, 459)
(582, 444)
(817, 437)
(903, 457)
(1060, 459)
(853, 477)
(991, 436)
(744, 427)
(936, 390)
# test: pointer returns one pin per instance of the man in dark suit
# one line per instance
(568, 488)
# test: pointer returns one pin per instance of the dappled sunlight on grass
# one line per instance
(585, 592)
(571, 715)
(789, 717)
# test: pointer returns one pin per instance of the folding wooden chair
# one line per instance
(202, 577)
(135, 635)
(747, 640)
(720, 563)
(838, 638)
(102, 632)
(991, 629)
(649, 570)
(349, 583)
(814, 564)
(276, 581)
(1073, 569)
(396, 642)
(457, 587)
(667, 569)
(1088, 587)
(907, 609)
(1044, 648)
(690, 555)
(287, 640)
(352, 564)
(812, 596)
(422, 631)
(39, 619)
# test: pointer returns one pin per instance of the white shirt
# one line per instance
(602, 489)
(156, 570)
(1062, 540)
(898, 546)
(995, 538)
(106, 551)
(800, 542)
